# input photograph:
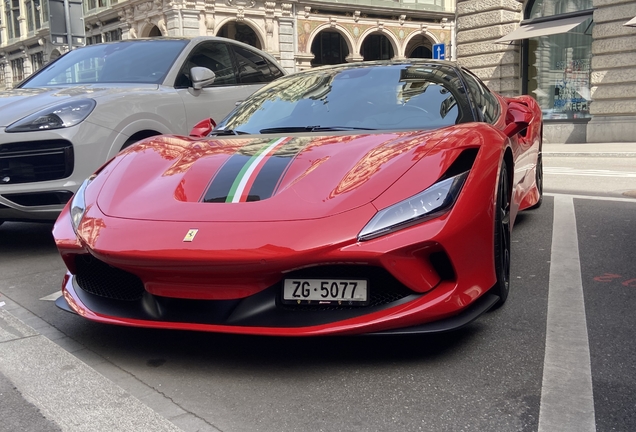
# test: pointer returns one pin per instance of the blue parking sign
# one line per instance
(439, 51)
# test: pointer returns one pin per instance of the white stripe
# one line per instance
(588, 172)
(52, 297)
(592, 197)
(250, 170)
(567, 402)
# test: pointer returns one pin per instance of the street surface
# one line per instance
(559, 356)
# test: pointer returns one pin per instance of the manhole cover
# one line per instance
(631, 194)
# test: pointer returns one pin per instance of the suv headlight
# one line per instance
(58, 116)
(78, 203)
(425, 205)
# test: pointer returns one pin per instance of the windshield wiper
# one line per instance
(310, 129)
(227, 132)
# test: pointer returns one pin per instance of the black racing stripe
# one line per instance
(268, 179)
(224, 178)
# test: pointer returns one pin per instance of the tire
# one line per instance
(539, 181)
(502, 238)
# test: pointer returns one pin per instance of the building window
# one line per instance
(17, 67)
(33, 15)
(12, 13)
(558, 72)
(2, 78)
(37, 61)
(113, 35)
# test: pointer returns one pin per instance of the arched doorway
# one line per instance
(329, 48)
(419, 47)
(240, 32)
(154, 32)
(377, 46)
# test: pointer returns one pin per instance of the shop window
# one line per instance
(558, 65)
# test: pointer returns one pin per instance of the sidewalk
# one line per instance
(73, 388)
(591, 149)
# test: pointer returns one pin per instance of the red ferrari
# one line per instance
(360, 198)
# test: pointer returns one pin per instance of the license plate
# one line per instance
(325, 291)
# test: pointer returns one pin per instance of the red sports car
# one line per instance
(359, 198)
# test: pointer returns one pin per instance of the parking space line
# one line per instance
(52, 297)
(567, 402)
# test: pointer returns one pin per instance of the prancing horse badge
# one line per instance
(190, 235)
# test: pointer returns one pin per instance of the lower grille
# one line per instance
(97, 277)
(35, 161)
(33, 199)
(383, 287)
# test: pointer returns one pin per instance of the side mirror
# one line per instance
(201, 77)
(203, 128)
(518, 118)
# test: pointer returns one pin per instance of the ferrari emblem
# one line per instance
(190, 235)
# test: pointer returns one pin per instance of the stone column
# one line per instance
(613, 77)
(479, 24)
(287, 38)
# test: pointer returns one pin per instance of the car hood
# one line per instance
(18, 103)
(257, 178)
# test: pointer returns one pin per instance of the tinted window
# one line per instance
(120, 62)
(253, 67)
(212, 55)
(372, 97)
(485, 101)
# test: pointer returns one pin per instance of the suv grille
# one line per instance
(35, 161)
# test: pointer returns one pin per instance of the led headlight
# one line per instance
(425, 205)
(59, 116)
(78, 204)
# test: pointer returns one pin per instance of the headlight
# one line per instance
(425, 205)
(78, 204)
(55, 117)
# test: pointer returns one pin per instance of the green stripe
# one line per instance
(239, 177)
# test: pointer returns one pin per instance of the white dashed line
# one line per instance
(567, 401)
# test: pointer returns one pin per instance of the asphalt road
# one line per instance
(558, 356)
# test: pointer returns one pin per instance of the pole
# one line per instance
(67, 17)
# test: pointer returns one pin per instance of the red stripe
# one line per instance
(250, 182)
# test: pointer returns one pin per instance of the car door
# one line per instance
(219, 98)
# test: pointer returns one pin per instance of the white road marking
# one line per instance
(592, 197)
(52, 297)
(567, 401)
(588, 172)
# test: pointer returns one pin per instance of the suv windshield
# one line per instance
(364, 97)
(140, 61)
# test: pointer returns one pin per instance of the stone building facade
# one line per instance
(584, 75)
(299, 34)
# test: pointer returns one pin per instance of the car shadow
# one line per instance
(21, 236)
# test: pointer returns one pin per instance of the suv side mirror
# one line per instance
(201, 77)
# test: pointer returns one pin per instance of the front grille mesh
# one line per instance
(97, 277)
(35, 161)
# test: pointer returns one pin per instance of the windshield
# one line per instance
(387, 97)
(141, 61)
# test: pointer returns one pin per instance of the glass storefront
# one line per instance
(559, 65)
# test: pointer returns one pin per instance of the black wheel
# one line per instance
(502, 238)
(539, 181)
